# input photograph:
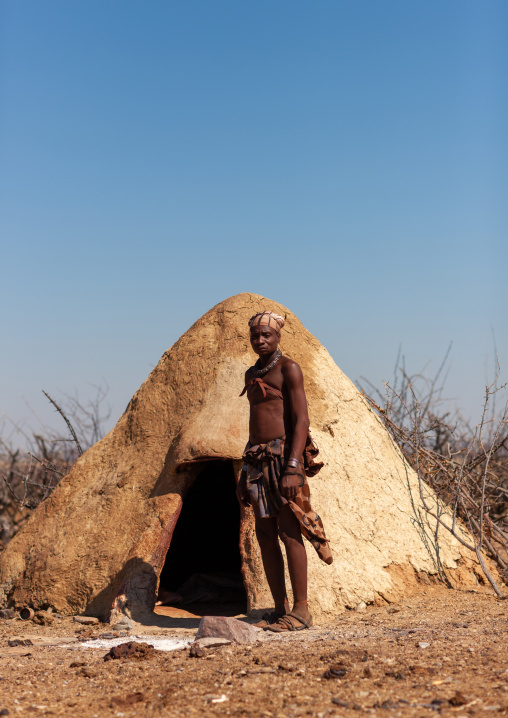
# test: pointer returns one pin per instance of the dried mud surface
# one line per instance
(442, 652)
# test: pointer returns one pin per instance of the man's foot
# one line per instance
(271, 617)
(291, 622)
(296, 620)
(268, 619)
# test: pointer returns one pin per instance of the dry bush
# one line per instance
(465, 464)
(28, 476)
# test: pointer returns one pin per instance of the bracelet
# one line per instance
(294, 463)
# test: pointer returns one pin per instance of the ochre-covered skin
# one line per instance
(100, 539)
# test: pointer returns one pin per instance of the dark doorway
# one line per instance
(203, 561)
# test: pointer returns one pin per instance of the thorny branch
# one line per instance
(69, 425)
(467, 468)
(28, 477)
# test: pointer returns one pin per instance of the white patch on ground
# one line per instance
(160, 644)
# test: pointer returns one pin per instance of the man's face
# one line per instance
(264, 340)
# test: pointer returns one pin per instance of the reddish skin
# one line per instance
(271, 418)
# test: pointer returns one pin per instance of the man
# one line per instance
(273, 480)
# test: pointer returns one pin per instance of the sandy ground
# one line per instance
(442, 651)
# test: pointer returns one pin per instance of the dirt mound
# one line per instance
(131, 649)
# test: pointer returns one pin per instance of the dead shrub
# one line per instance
(465, 464)
(28, 476)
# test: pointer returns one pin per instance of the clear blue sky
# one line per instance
(348, 159)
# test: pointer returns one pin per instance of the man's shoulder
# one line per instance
(249, 372)
(287, 365)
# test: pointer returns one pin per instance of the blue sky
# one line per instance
(348, 159)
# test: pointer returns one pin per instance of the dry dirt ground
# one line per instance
(442, 651)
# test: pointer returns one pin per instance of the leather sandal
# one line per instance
(268, 619)
(288, 623)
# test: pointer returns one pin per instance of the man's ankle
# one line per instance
(301, 607)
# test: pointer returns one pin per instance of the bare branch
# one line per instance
(69, 425)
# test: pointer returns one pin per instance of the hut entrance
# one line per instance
(201, 573)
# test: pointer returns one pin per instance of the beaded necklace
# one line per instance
(268, 367)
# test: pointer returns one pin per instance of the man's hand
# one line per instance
(289, 485)
(241, 490)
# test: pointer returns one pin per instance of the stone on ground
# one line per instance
(230, 628)
(124, 624)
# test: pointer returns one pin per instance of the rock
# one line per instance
(337, 670)
(14, 642)
(340, 702)
(215, 699)
(422, 670)
(394, 609)
(43, 618)
(7, 613)
(230, 628)
(286, 667)
(128, 700)
(458, 700)
(441, 681)
(86, 620)
(124, 624)
(196, 651)
(361, 607)
(212, 642)
(87, 673)
(422, 644)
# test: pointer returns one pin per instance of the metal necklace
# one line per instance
(268, 367)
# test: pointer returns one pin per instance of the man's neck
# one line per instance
(264, 362)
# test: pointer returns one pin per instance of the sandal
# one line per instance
(288, 623)
(268, 619)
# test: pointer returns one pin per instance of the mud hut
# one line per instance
(143, 502)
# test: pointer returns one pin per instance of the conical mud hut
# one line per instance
(157, 495)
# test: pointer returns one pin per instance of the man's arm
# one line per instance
(293, 380)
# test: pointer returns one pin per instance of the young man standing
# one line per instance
(277, 458)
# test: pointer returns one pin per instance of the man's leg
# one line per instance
(273, 563)
(291, 537)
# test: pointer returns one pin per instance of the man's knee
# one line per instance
(289, 538)
(266, 533)
(289, 531)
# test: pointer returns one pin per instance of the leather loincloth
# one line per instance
(263, 465)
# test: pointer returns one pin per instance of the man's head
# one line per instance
(265, 332)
